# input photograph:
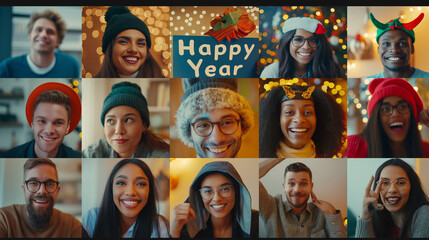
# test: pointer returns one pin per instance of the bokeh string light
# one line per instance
(93, 26)
(271, 20)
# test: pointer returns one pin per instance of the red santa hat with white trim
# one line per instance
(309, 24)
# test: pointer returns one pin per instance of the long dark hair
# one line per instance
(378, 142)
(328, 136)
(323, 64)
(152, 141)
(382, 220)
(149, 69)
(107, 225)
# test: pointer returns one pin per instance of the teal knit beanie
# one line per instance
(128, 94)
(119, 19)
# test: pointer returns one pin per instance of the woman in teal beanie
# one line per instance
(125, 119)
(126, 43)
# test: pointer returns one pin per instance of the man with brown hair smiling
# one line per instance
(53, 110)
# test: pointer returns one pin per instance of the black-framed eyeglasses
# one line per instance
(227, 126)
(224, 191)
(299, 41)
(386, 109)
(33, 185)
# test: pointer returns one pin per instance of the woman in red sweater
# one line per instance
(392, 127)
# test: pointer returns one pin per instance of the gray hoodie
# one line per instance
(244, 214)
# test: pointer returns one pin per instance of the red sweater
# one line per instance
(357, 148)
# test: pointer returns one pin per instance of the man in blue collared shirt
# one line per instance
(52, 114)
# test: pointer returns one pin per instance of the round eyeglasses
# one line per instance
(33, 186)
(399, 183)
(300, 41)
(386, 109)
(204, 128)
(208, 193)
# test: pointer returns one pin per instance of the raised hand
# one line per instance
(182, 214)
(323, 205)
(371, 199)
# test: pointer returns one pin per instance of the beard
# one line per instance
(40, 218)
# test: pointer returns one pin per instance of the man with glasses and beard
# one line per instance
(295, 217)
(213, 117)
(38, 217)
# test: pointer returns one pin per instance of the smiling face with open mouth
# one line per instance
(129, 51)
(50, 125)
(395, 188)
(130, 191)
(218, 206)
(305, 53)
(298, 122)
(395, 49)
(41, 203)
(397, 124)
(217, 144)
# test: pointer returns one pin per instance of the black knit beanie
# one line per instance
(128, 94)
(119, 19)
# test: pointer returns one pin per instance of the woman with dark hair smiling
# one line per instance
(218, 206)
(396, 206)
(392, 129)
(299, 122)
(126, 44)
(304, 52)
(129, 205)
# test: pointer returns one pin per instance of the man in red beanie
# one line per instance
(53, 110)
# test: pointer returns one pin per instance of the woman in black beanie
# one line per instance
(125, 119)
(126, 44)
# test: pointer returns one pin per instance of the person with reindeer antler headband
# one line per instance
(299, 122)
(395, 46)
(304, 52)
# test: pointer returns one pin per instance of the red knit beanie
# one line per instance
(384, 87)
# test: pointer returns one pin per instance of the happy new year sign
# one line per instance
(205, 57)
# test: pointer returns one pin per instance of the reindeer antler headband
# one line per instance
(297, 94)
(396, 24)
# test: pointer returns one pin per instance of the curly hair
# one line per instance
(328, 136)
(323, 64)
